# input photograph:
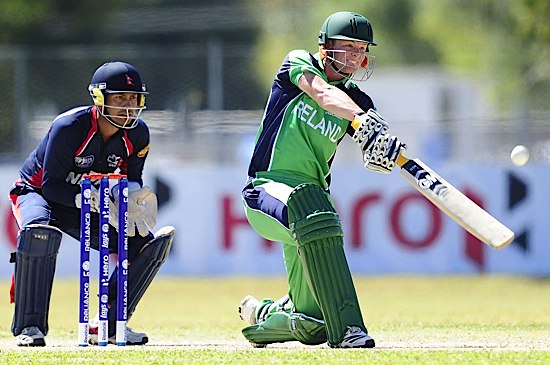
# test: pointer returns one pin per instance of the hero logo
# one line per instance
(84, 161)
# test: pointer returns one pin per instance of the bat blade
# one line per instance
(455, 204)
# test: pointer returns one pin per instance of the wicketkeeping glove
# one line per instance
(142, 209)
(94, 200)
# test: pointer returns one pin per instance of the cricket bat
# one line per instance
(452, 202)
(455, 204)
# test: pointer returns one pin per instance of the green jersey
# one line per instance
(297, 139)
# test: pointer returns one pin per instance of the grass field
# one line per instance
(418, 320)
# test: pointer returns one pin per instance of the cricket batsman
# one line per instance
(286, 198)
(106, 137)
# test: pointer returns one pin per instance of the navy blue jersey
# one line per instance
(74, 147)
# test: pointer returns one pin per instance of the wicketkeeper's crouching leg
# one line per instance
(141, 272)
(37, 249)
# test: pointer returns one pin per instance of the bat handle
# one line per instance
(401, 160)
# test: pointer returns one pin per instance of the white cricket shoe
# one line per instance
(248, 308)
(355, 337)
(31, 336)
(132, 337)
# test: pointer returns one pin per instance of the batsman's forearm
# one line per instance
(339, 103)
(329, 97)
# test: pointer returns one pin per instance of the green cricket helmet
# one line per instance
(346, 25)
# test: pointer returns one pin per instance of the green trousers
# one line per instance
(301, 318)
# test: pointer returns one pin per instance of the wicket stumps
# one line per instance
(122, 261)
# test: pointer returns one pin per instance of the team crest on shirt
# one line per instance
(143, 152)
(113, 160)
(84, 161)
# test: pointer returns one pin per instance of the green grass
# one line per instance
(418, 320)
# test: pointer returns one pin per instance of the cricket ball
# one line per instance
(519, 155)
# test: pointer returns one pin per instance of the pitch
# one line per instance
(439, 320)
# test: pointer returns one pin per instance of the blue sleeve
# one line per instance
(58, 160)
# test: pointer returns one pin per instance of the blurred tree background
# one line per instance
(506, 43)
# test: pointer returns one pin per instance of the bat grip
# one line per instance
(401, 160)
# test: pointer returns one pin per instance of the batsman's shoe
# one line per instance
(355, 337)
(247, 309)
(31, 336)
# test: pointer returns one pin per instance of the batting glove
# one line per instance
(371, 127)
(384, 154)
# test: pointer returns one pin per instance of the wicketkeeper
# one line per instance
(107, 137)
(310, 108)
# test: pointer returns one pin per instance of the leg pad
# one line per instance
(283, 327)
(37, 248)
(142, 271)
(319, 237)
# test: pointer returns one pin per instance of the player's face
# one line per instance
(121, 108)
(346, 55)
